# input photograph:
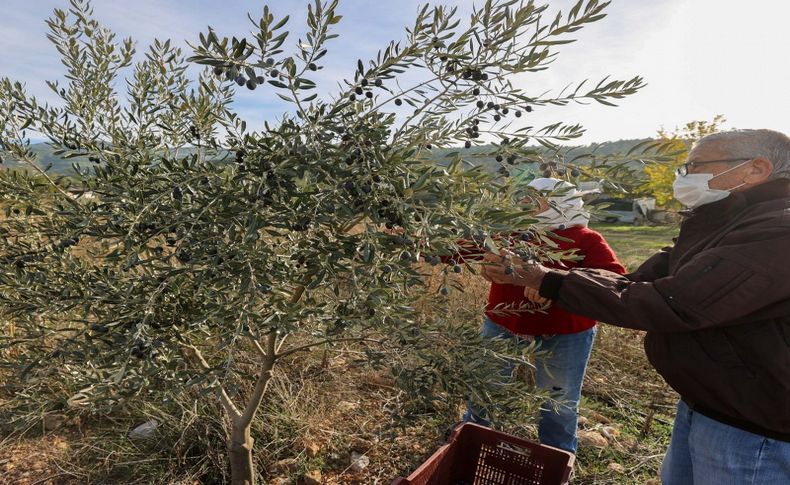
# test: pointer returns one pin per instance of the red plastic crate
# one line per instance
(475, 455)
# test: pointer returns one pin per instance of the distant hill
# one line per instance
(46, 159)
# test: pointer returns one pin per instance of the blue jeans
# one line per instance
(704, 451)
(560, 372)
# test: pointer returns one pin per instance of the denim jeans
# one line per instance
(704, 451)
(560, 372)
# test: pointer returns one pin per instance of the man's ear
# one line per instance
(759, 171)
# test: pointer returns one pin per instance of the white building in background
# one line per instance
(590, 186)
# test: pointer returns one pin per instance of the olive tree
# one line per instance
(193, 239)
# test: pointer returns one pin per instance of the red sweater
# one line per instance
(597, 254)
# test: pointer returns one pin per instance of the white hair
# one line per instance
(773, 145)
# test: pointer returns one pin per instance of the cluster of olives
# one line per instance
(233, 74)
(364, 88)
(357, 192)
(472, 132)
(550, 168)
(475, 75)
(301, 225)
(184, 256)
(194, 134)
(263, 166)
(391, 217)
(499, 110)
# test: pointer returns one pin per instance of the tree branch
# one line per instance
(258, 347)
(224, 399)
(260, 385)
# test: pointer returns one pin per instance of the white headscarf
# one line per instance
(565, 204)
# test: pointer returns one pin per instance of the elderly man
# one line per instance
(716, 308)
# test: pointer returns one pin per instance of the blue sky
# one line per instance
(699, 57)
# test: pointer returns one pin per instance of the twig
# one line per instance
(45, 480)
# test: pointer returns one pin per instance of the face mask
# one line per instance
(570, 213)
(549, 217)
(693, 190)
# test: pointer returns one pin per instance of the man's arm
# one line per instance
(715, 288)
(657, 266)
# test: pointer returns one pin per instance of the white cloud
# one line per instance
(700, 58)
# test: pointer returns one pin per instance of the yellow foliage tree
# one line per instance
(660, 176)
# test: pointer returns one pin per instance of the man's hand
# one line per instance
(533, 295)
(506, 269)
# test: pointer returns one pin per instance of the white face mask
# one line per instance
(693, 189)
(568, 213)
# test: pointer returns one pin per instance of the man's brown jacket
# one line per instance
(716, 308)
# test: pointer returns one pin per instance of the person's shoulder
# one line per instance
(587, 233)
(772, 215)
(590, 237)
(582, 235)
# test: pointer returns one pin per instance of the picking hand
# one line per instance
(507, 269)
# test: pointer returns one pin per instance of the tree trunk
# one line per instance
(242, 468)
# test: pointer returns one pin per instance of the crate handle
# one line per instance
(449, 431)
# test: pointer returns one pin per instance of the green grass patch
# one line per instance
(634, 244)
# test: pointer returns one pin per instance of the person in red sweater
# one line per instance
(567, 338)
